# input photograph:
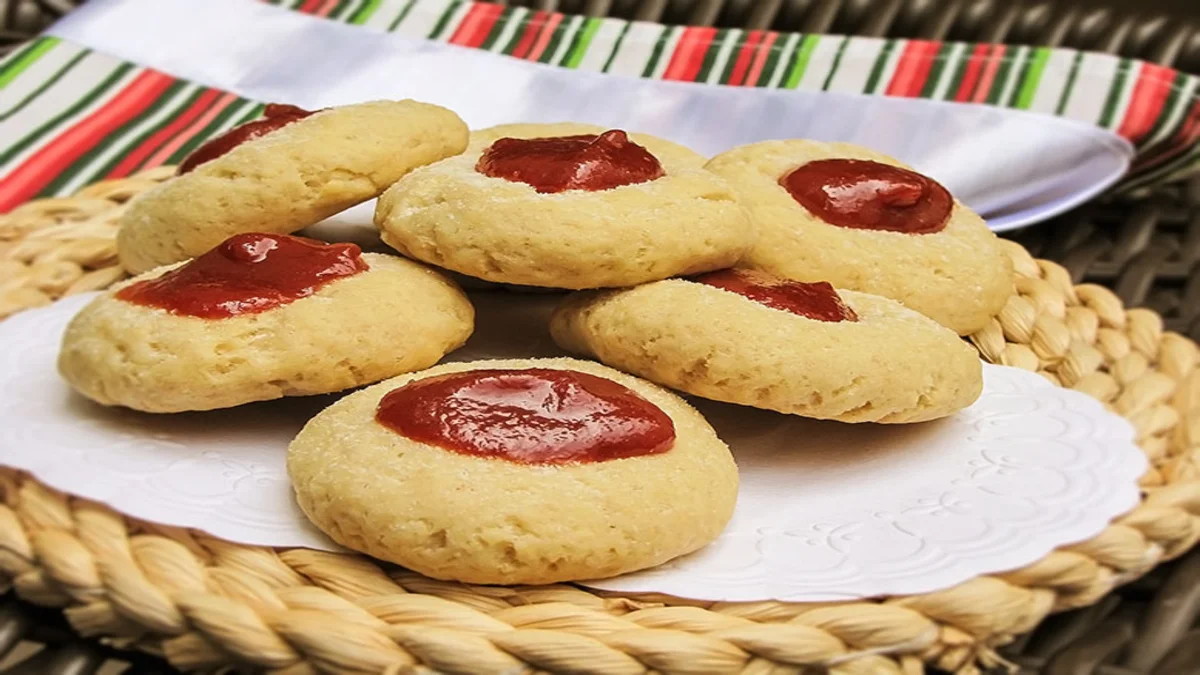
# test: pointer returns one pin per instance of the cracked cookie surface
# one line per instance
(891, 365)
(449, 214)
(395, 317)
(286, 180)
(958, 276)
(490, 521)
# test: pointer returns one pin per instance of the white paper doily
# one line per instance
(826, 511)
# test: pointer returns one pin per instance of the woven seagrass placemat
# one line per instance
(205, 603)
(1146, 250)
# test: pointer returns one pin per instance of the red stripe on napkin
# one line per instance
(760, 59)
(476, 25)
(689, 54)
(989, 74)
(138, 155)
(974, 67)
(913, 68)
(318, 7)
(529, 37)
(1146, 104)
(190, 131)
(546, 35)
(25, 181)
(741, 65)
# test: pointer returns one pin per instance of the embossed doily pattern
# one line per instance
(830, 511)
(826, 511)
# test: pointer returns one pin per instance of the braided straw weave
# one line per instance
(203, 603)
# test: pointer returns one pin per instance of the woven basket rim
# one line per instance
(202, 602)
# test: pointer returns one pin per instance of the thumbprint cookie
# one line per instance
(281, 173)
(863, 221)
(566, 206)
(804, 348)
(515, 472)
(259, 317)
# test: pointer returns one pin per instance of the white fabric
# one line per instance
(1013, 166)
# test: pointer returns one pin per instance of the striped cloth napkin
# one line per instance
(71, 115)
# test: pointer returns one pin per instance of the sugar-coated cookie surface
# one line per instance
(891, 365)
(958, 276)
(288, 179)
(395, 317)
(492, 521)
(449, 214)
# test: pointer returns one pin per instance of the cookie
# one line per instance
(746, 337)
(261, 317)
(523, 471)
(862, 221)
(566, 206)
(283, 173)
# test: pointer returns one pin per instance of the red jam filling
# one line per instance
(587, 162)
(867, 195)
(528, 416)
(247, 274)
(813, 300)
(275, 116)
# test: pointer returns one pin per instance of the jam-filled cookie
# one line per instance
(566, 206)
(861, 220)
(283, 172)
(745, 336)
(515, 472)
(259, 317)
